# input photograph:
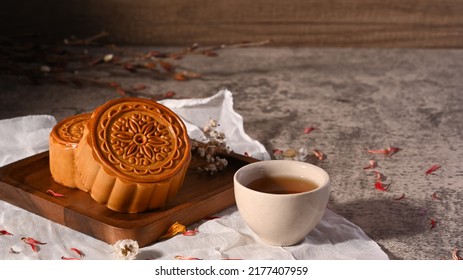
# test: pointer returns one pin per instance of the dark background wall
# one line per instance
(320, 23)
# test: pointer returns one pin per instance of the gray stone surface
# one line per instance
(358, 99)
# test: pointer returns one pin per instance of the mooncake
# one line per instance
(133, 155)
(63, 140)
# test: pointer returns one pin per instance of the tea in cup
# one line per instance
(281, 201)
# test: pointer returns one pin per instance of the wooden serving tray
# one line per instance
(25, 183)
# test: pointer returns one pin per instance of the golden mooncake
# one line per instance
(133, 155)
(63, 140)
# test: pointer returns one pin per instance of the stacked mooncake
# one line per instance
(132, 155)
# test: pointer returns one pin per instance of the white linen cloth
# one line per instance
(222, 238)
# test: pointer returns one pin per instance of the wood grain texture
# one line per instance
(25, 183)
(334, 23)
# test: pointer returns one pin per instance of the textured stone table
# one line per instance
(358, 99)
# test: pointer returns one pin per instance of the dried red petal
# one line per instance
(150, 65)
(121, 91)
(166, 66)
(387, 152)
(381, 186)
(154, 54)
(30, 240)
(139, 87)
(456, 254)
(384, 151)
(55, 194)
(433, 223)
(180, 77)
(210, 53)
(432, 169)
(186, 258)
(169, 94)
(34, 247)
(372, 164)
(309, 129)
(379, 176)
(67, 259)
(4, 232)
(79, 252)
(129, 67)
(318, 154)
(392, 150)
(434, 196)
(191, 232)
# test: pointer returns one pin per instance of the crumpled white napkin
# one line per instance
(219, 107)
(221, 238)
(21, 137)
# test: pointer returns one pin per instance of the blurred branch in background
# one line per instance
(80, 62)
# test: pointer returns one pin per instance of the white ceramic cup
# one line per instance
(281, 219)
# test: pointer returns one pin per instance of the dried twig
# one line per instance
(72, 63)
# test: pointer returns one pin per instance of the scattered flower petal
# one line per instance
(186, 258)
(381, 186)
(4, 232)
(372, 164)
(169, 94)
(307, 130)
(387, 152)
(456, 254)
(55, 194)
(34, 247)
(392, 150)
(78, 252)
(432, 222)
(191, 232)
(432, 169)
(126, 249)
(33, 243)
(379, 176)
(138, 87)
(67, 259)
(30, 240)
(400, 197)
(277, 153)
(173, 230)
(435, 196)
(319, 155)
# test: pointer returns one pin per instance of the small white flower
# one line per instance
(15, 249)
(108, 57)
(126, 249)
(302, 154)
(45, 69)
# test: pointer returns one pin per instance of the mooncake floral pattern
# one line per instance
(141, 139)
(73, 129)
